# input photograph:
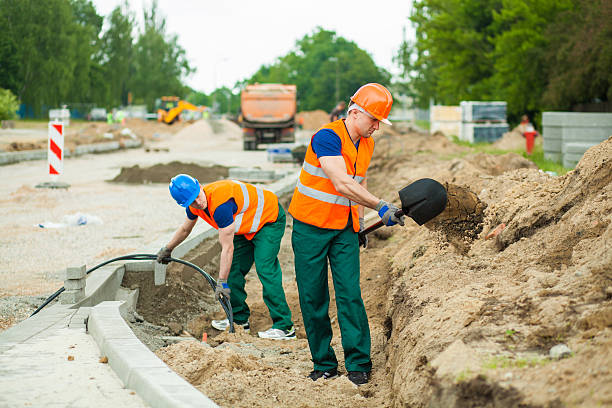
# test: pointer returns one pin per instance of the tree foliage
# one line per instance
(160, 63)
(8, 105)
(530, 53)
(54, 52)
(318, 62)
(580, 55)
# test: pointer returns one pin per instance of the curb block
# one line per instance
(137, 367)
(16, 157)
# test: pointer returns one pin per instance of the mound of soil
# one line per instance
(312, 120)
(162, 173)
(455, 320)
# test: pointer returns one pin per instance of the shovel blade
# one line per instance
(423, 200)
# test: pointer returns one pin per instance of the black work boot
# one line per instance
(359, 377)
(326, 375)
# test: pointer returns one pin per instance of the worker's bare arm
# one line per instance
(335, 168)
(226, 239)
(181, 233)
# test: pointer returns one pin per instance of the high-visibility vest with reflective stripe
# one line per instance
(315, 200)
(256, 206)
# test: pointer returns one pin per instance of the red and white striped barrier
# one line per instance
(55, 155)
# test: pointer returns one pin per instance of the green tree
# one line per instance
(198, 98)
(38, 39)
(521, 46)
(449, 60)
(579, 60)
(8, 105)
(320, 61)
(160, 63)
(87, 84)
(117, 54)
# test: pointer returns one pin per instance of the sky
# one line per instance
(227, 41)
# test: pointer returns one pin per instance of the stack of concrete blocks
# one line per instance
(567, 135)
(251, 175)
(74, 285)
(280, 153)
(483, 121)
(445, 119)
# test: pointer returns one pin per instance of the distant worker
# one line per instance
(338, 112)
(528, 132)
(328, 210)
(251, 224)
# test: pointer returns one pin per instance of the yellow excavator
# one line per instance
(169, 108)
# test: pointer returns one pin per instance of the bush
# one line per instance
(8, 105)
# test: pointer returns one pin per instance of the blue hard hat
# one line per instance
(184, 189)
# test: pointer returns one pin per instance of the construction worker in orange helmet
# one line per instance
(328, 210)
(251, 224)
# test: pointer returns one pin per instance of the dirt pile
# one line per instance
(547, 281)
(80, 133)
(312, 120)
(456, 320)
(162, 173)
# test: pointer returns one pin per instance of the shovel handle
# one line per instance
(379, 224)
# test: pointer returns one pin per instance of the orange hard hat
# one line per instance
(375, 99)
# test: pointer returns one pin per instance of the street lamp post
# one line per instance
(335, 59)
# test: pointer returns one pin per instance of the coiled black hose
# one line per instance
(223, 300)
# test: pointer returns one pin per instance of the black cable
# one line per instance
(223, 300)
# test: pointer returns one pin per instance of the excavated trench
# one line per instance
(456, 320)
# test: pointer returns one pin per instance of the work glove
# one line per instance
(163, 255)
(363, 238)
(222, 289)
(386, 212)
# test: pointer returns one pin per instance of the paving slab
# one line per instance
(60, 368)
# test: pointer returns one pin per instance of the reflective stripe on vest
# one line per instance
(256, 206)
(318, 171)
(245, 206)
(315, 199)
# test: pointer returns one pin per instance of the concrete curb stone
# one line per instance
(25, 155)
(137, 367)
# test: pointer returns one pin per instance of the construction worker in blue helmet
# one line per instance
(251, 224)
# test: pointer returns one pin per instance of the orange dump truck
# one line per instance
(267, 114)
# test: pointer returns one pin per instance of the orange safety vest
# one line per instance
(256, 206)
(315, 200)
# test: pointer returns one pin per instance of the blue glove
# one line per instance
(222, 289)
(387, 212)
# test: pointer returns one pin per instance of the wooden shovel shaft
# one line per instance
(379, 224)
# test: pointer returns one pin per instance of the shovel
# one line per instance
(422, 201)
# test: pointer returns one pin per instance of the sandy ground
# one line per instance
(456, 320)
(133, 216)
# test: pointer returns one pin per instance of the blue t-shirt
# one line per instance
(326, 142)
(223, 216)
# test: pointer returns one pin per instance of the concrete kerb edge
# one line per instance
(25, 155)
(138, 368)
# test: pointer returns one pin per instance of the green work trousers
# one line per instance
(263, 250)
(313, 247)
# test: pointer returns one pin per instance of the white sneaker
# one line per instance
(278, 334)
(224, 324)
